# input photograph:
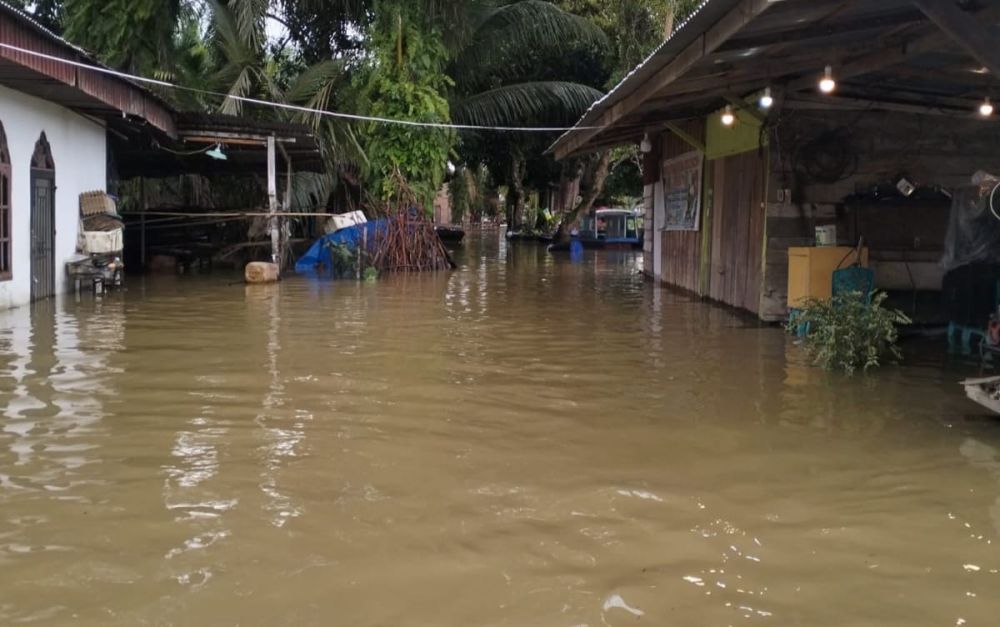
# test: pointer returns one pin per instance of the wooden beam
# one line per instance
(809, 102)
(703, 45)
(848, 65)
(743, 105)
(820, 31)
(684, 136)
(965, 29)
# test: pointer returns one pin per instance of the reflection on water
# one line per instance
(524, 441)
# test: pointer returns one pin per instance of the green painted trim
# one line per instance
(726, 141)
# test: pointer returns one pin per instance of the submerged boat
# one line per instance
(985, 391)
(449, 233)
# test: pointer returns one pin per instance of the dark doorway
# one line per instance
(43, 221)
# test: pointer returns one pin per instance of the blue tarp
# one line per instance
(317, 258)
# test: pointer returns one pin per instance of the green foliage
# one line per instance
(343, 258)
(634, 27)
(468, 193)
(405, 80)
(370, 275)
(48, 13)
(849, 332)
(552, 102)
(134, 35)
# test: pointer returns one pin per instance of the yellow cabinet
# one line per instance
(810, 270)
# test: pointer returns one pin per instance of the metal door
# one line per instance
(43, 234)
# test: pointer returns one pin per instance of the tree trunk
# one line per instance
(516, 204)
(591, 187)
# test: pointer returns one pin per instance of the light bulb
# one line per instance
(827, 85)
(727, 116)
(766, 100)
(986, 109)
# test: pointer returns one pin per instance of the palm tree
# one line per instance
(511, 71)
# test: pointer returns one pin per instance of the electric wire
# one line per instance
(292, 107)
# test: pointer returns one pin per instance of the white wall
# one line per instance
(79, 149)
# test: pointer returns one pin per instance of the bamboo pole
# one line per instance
(272, 201)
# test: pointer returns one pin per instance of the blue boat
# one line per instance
(612, 228)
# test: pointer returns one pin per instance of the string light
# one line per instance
(827, 85)
(727, 116)
(766, 100)
(986, 108)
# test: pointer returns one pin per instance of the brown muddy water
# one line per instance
(524, 441)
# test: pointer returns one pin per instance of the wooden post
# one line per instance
(272, 201)
(142, 222)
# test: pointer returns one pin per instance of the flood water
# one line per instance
(524, 441)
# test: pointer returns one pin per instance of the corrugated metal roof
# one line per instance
(23, 31)
(701, 19)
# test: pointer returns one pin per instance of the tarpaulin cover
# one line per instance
(974, 229)
(317, 258)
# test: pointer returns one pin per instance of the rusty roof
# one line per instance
(87, 91)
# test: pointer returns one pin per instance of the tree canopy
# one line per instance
(472, 62)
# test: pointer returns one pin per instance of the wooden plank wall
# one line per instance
(681, 252)
(929, 150)
(650, 175)
(737, 230)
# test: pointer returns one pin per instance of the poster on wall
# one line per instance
(682, 192)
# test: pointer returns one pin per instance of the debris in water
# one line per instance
(616, 600)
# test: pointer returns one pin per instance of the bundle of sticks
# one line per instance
(408, 242)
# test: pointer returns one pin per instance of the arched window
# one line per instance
(5, 226)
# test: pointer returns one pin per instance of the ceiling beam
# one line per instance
(967, 30)
(810, 102)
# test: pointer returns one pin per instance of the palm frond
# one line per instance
(536, 103)
(510, 37)
(249, 16)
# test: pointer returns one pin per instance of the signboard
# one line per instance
(682, 192)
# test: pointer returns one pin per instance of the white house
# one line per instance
(50, 155)
(55, 118)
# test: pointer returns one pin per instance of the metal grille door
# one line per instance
(43, 234)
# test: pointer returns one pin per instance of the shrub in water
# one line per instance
(849, 332)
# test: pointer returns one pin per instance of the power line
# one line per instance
(297, 108)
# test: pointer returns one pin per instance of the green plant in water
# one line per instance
(343, 258)
(370, 274)
(849, 332)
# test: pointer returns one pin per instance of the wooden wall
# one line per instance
(681, 251)
(928, 150)
(737, 230)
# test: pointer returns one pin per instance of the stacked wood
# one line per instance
(261, 272)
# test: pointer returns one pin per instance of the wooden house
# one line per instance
(763, 119)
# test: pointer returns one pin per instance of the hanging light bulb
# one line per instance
(646, 146)
(986, 108)
(766, 100)
(827, 85)
(727, 116)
